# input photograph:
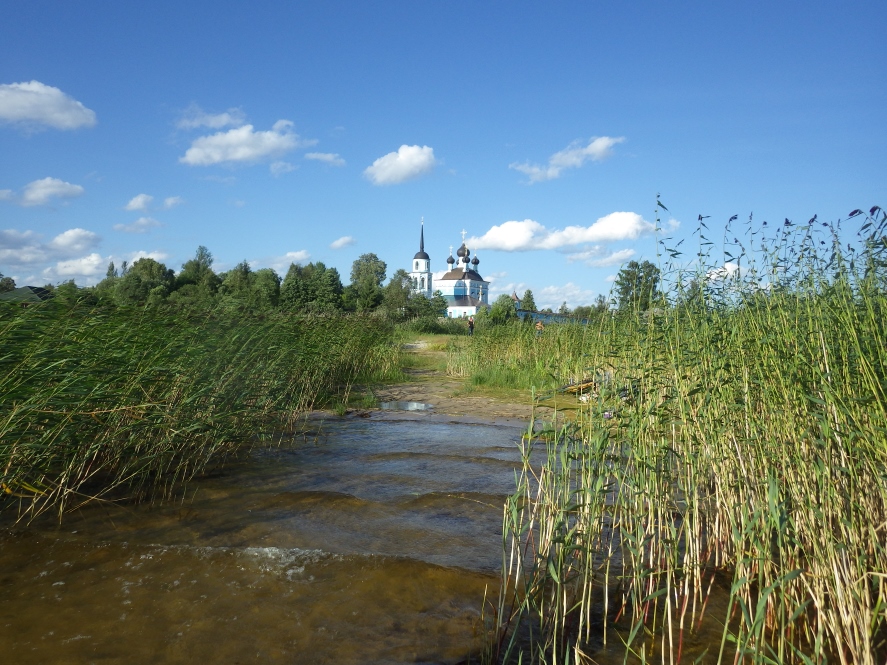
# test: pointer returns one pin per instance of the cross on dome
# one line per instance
(464, 233)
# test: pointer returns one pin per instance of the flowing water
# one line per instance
(372, 541)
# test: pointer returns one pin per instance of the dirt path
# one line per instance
(448, 396)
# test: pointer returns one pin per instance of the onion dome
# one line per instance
(475, 261)
(451, 260)
(463, 251)
(421, 253)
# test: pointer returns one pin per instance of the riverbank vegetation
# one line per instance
(719, 492)
(100, 400)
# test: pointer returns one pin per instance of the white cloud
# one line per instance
(36, 104)
(6, 195)
(172, 202)
(331, 158)
(725, 272)
(597, 257)
(41, 192)
(139, 202)
(571, 157)
(142, 254)
(672, 224)
(410, 161)
(528, 235)
(282, 263)
(279, 168)
(74, 241)
(86, 266)
(141, 225)
(25, 252)
(344, 241)
(610, 278)
(244, 145)
(194, 117)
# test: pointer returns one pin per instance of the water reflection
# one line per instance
(405, 406)
(368, 542)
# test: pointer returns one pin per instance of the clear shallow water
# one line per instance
(372, 542)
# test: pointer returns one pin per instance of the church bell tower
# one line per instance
(421, 267)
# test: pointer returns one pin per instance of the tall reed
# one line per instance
(735, 443)
(95, 399)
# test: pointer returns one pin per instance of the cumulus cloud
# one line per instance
(139, 202)
(172, 202)
(27, 252)
(194, 117)
(282, 263)
(142, 254)
(34, 105)
(514, 236)
(280, 167)
(344, 241)
(410, 161)
(571, 157)
(86, 266)
(600, 257)
(74, 241)
(331, 158)
(728, 271)
(42, 192)
(141, 225)
(244, 145)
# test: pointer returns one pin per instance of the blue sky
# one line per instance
(273, 132)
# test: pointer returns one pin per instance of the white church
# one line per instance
(462, 286)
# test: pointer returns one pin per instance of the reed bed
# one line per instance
(101, 401)
(734, 447)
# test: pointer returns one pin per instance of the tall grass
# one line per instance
(735, 444)
(93, 400)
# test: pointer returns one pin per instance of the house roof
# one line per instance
(468, 275)
(26, 294)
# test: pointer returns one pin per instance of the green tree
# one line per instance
(311, 288)
(251, 291)
(6, 283)
(145, 282)
(563, 309)
(503, 310)
(637, 286)
(397, 295)
(265, 289)
(528, 303)
(198, 271)
(367, 275)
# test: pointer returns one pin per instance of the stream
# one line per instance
(366, 541)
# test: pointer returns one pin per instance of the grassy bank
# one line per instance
(734, 443)
(100, 399)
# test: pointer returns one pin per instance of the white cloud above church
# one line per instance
(410, 161)
(528, 235)
(244, 145)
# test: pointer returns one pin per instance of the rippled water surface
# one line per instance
(369, 542)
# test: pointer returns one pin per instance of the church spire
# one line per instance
(422, 237)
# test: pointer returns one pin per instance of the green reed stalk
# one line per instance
(93, 399)
(739, 434)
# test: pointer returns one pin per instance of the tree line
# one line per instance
(316, 289)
